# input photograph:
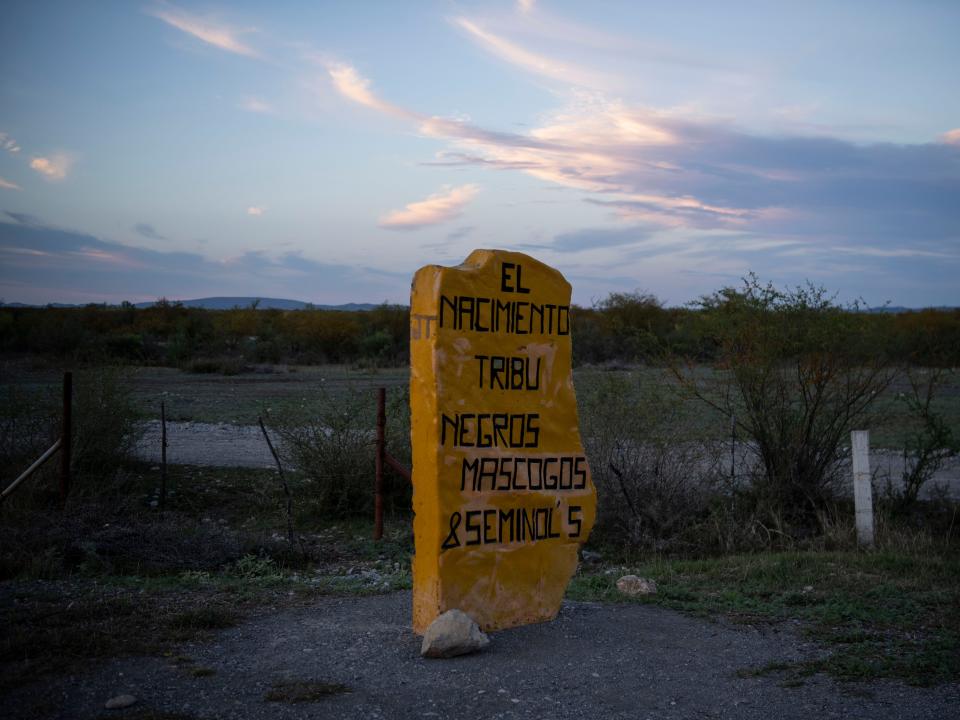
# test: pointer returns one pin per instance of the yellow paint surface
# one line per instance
(502, 492)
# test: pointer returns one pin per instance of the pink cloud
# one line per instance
(951, 137)
(211, 32)
(439, 207)
(530, 61)
(53, 168)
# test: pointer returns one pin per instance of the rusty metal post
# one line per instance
(66, 437)
(378, 480)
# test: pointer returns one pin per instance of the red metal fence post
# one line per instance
(378, 481)
(66, 437)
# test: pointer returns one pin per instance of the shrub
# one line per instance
(795, 373)
(106, 423)
(931, 441)
(335, 449)
(653, 487)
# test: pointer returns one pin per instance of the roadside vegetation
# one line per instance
(893, 613)
(717, 436)
(624, 328)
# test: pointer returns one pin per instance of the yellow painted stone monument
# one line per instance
(501, 487)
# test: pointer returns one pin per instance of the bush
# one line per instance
(335, 450)
(654, 488)
(930, 443)
(106, 424)
(795, 373)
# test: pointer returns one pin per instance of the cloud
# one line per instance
(454, 159)
(23, 218)
(256, 211)
(951, 137)
(40, 264)
(526, 6)
(439, 207)
(7, 185)
(54, 168)
(530, 61)
(205, 29)
(256, 105)
(8, 143)
(147, 230)
(675, 171)
(352, 85)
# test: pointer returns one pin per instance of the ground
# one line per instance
(357, 658)
(204, 611)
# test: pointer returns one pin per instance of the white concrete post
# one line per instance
(862, 488)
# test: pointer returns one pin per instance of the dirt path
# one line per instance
(208, 444)
(226, 445)
(594, 661)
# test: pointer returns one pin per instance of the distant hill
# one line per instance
(228, 303)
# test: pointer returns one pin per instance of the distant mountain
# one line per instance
(228, 303)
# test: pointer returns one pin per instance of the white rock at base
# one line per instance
(120, 701)
(632, 585)
(452, 633)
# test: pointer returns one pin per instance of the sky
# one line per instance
(324, 151)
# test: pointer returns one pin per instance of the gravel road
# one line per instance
(209, 444)
(594, 661)
(226, 445)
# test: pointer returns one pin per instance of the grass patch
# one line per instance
(241, 398)
(883, 615)
(301, 691)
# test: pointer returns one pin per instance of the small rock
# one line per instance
(452, 633)
(120, 701)
(632, 585)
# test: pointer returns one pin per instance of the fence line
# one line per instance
(383, 457)
(63, 444)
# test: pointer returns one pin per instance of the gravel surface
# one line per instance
(208, 444)
(226, 445)
(594, 661)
